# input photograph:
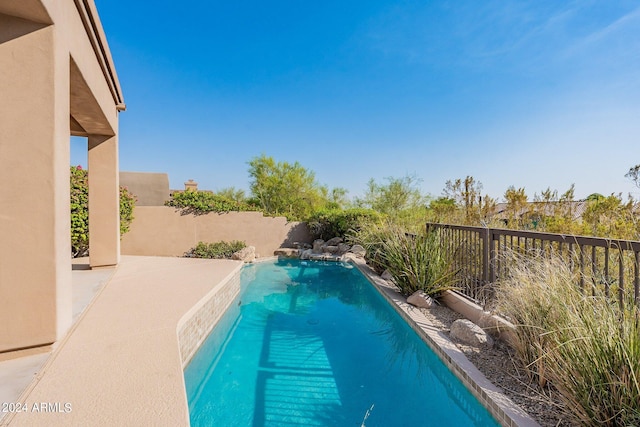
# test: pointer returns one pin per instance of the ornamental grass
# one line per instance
(586, 345)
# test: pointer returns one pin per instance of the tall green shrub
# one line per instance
(80, 210)
(328, 223)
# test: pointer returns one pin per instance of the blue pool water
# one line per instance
(315, 344)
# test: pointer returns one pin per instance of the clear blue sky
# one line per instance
(533, 94)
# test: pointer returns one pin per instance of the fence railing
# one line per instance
(477, 254)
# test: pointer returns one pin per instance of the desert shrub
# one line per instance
(127, 204)
(416, 261)
(201, 202)
(328, 223)
(586, 345)
(80, 210)
(216, 250)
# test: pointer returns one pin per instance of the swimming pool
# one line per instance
(315, 344)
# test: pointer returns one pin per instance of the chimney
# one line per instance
(191, 185)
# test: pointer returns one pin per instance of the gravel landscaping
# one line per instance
(500, 367)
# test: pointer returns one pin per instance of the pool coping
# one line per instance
(503, 409)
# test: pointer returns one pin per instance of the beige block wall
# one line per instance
(164, 231)
(150, 189)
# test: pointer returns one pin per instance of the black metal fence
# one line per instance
(477, 254)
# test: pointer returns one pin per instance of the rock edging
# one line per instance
(332, 250)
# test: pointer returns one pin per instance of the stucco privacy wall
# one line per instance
(150, 189)
(164, 231)
(56, 79)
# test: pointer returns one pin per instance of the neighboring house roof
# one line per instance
(542, 208)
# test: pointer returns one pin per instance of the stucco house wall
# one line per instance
(57, 79)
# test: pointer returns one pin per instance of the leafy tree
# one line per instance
(634, 175)
(443, 209)
(232, 193)
(80, 210)
(337, 197)
(467, 194)
(546, 196)
(545, 205)
(516, 204)
(611, 217)
(282, 188)
(558, 212)
(594, 197)
(397, 195)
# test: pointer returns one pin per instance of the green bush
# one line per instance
(127, 204)
(201, 202)
(80, 211)
(585, 344)
(328, 223)
(216, 250)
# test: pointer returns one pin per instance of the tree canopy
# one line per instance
(288, 189)
(397, 195)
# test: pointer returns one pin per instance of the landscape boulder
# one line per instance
(306, 254)
(386, 275)
(358, 251)
(301, 245)
(420, 299)
(334, 241)
(467, 332)
(348, 257)
(318, 246)
(247, 254)
(287, 252)
(343, 248)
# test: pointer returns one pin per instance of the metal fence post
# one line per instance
(486, 255)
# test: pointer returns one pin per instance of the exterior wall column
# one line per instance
(35, 254)
(104, 201)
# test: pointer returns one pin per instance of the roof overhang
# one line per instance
(93, 27)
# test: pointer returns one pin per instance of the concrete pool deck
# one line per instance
(17, 369)
(120, 363)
